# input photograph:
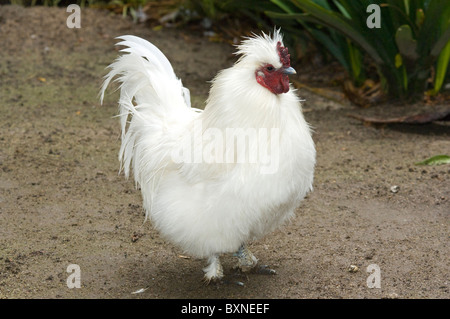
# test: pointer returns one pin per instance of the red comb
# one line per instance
(283, 53)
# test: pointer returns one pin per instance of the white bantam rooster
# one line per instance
(214, 179)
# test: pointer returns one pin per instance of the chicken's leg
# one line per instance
(247, 261)
(214, 270)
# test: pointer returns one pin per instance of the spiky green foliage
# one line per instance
(412, 40)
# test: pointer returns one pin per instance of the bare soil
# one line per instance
(63, 202)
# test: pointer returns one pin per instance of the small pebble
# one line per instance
(395, 189)
(353, 268)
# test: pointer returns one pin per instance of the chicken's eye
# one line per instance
(270, 68)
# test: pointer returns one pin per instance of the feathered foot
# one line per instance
(214, 270)
(248, 262)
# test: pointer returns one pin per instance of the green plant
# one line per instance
(435, 160)
(343, 50)
(218, 9)
(412, 40)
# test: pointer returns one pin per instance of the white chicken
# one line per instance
(214, 179)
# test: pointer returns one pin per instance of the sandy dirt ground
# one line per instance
(63, 202)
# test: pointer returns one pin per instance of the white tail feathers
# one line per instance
(152, 100)
(146, 49)
(147, 61)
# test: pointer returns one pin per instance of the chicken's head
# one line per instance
(275, 79)
(270, 59)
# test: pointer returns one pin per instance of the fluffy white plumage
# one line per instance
(211, 208)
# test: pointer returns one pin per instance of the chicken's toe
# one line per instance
(264, 270)
(247, 262)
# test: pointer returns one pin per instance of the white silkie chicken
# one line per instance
(203, 194)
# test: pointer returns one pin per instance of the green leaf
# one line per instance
(356, 62)
(436, 160)
(406, 4)
(429, 39)
(420, 16)
(339, 23)
(398, 60)
(405, 42)
(441, 68)
(282, 5)
(441, 43)
(279, 15)
(342, 9)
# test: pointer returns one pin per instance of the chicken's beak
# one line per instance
(289, 70)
